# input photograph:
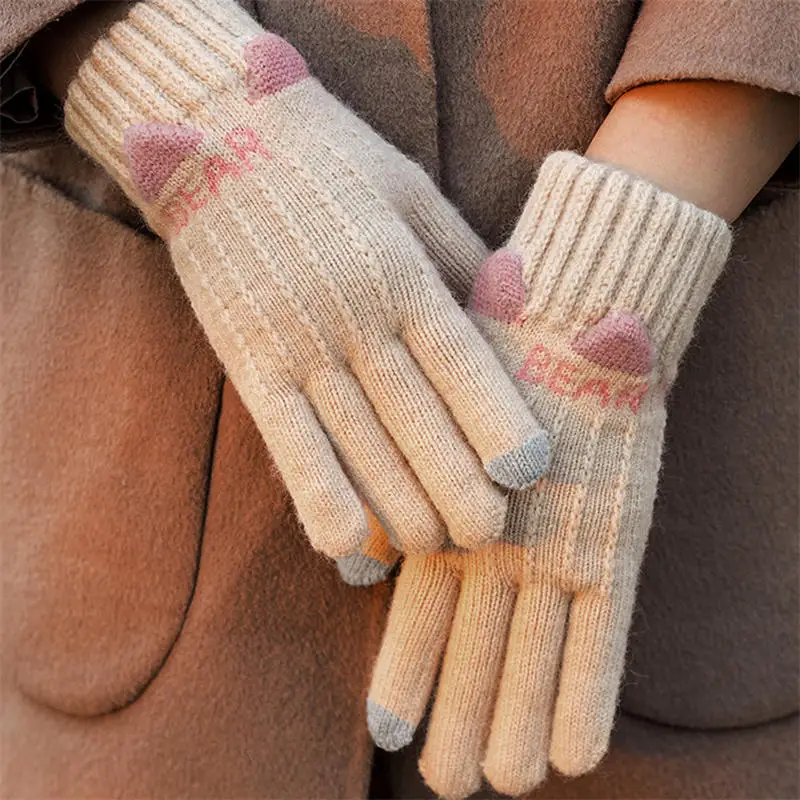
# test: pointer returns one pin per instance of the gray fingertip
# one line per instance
(523, 466)
(388, 731)
(360, 570)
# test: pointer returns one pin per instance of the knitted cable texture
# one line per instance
(590, 306)
(306, 245)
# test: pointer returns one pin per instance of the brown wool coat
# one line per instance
(166, 630)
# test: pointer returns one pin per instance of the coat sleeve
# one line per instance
(28, 114)
(20, 19)
(756, 42)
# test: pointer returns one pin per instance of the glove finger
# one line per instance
(594, 657)
(472, 507)
(326, 503)
(519, 742)
(416, 633)
(467, 375)
(459, 727)
(455, 249)
(375, 560)
(373, 461)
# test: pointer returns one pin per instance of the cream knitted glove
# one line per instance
(591, 306)
(306, 245)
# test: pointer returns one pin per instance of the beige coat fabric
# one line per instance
(166, 630)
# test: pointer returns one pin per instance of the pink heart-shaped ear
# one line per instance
(619, 341)
(155, 150)
(272, 65)
(499, 289)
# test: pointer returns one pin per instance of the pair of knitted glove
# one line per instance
(323, 266)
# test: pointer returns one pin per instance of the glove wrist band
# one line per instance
(595, 239)
(173, 64)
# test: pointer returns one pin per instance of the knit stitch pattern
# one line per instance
(533, 631)
(272, 65)
(282, 212)
(155, 151)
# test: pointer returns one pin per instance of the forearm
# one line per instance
(714, 144)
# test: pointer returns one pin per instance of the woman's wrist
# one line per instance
(713, 144)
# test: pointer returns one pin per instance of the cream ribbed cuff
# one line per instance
(596, 238)
(165, 62)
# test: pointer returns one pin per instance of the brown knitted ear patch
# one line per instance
(155, 150)
(272, 65)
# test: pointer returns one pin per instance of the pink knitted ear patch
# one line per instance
(499, 290)
(155, 151)
(619, 341)
(272, 65)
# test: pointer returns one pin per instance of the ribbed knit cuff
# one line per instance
(166, 62)
(595, 238)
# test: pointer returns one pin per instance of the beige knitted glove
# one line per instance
(306, 245)
(591, 306)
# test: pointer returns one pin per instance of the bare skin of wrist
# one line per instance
(711, 143)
